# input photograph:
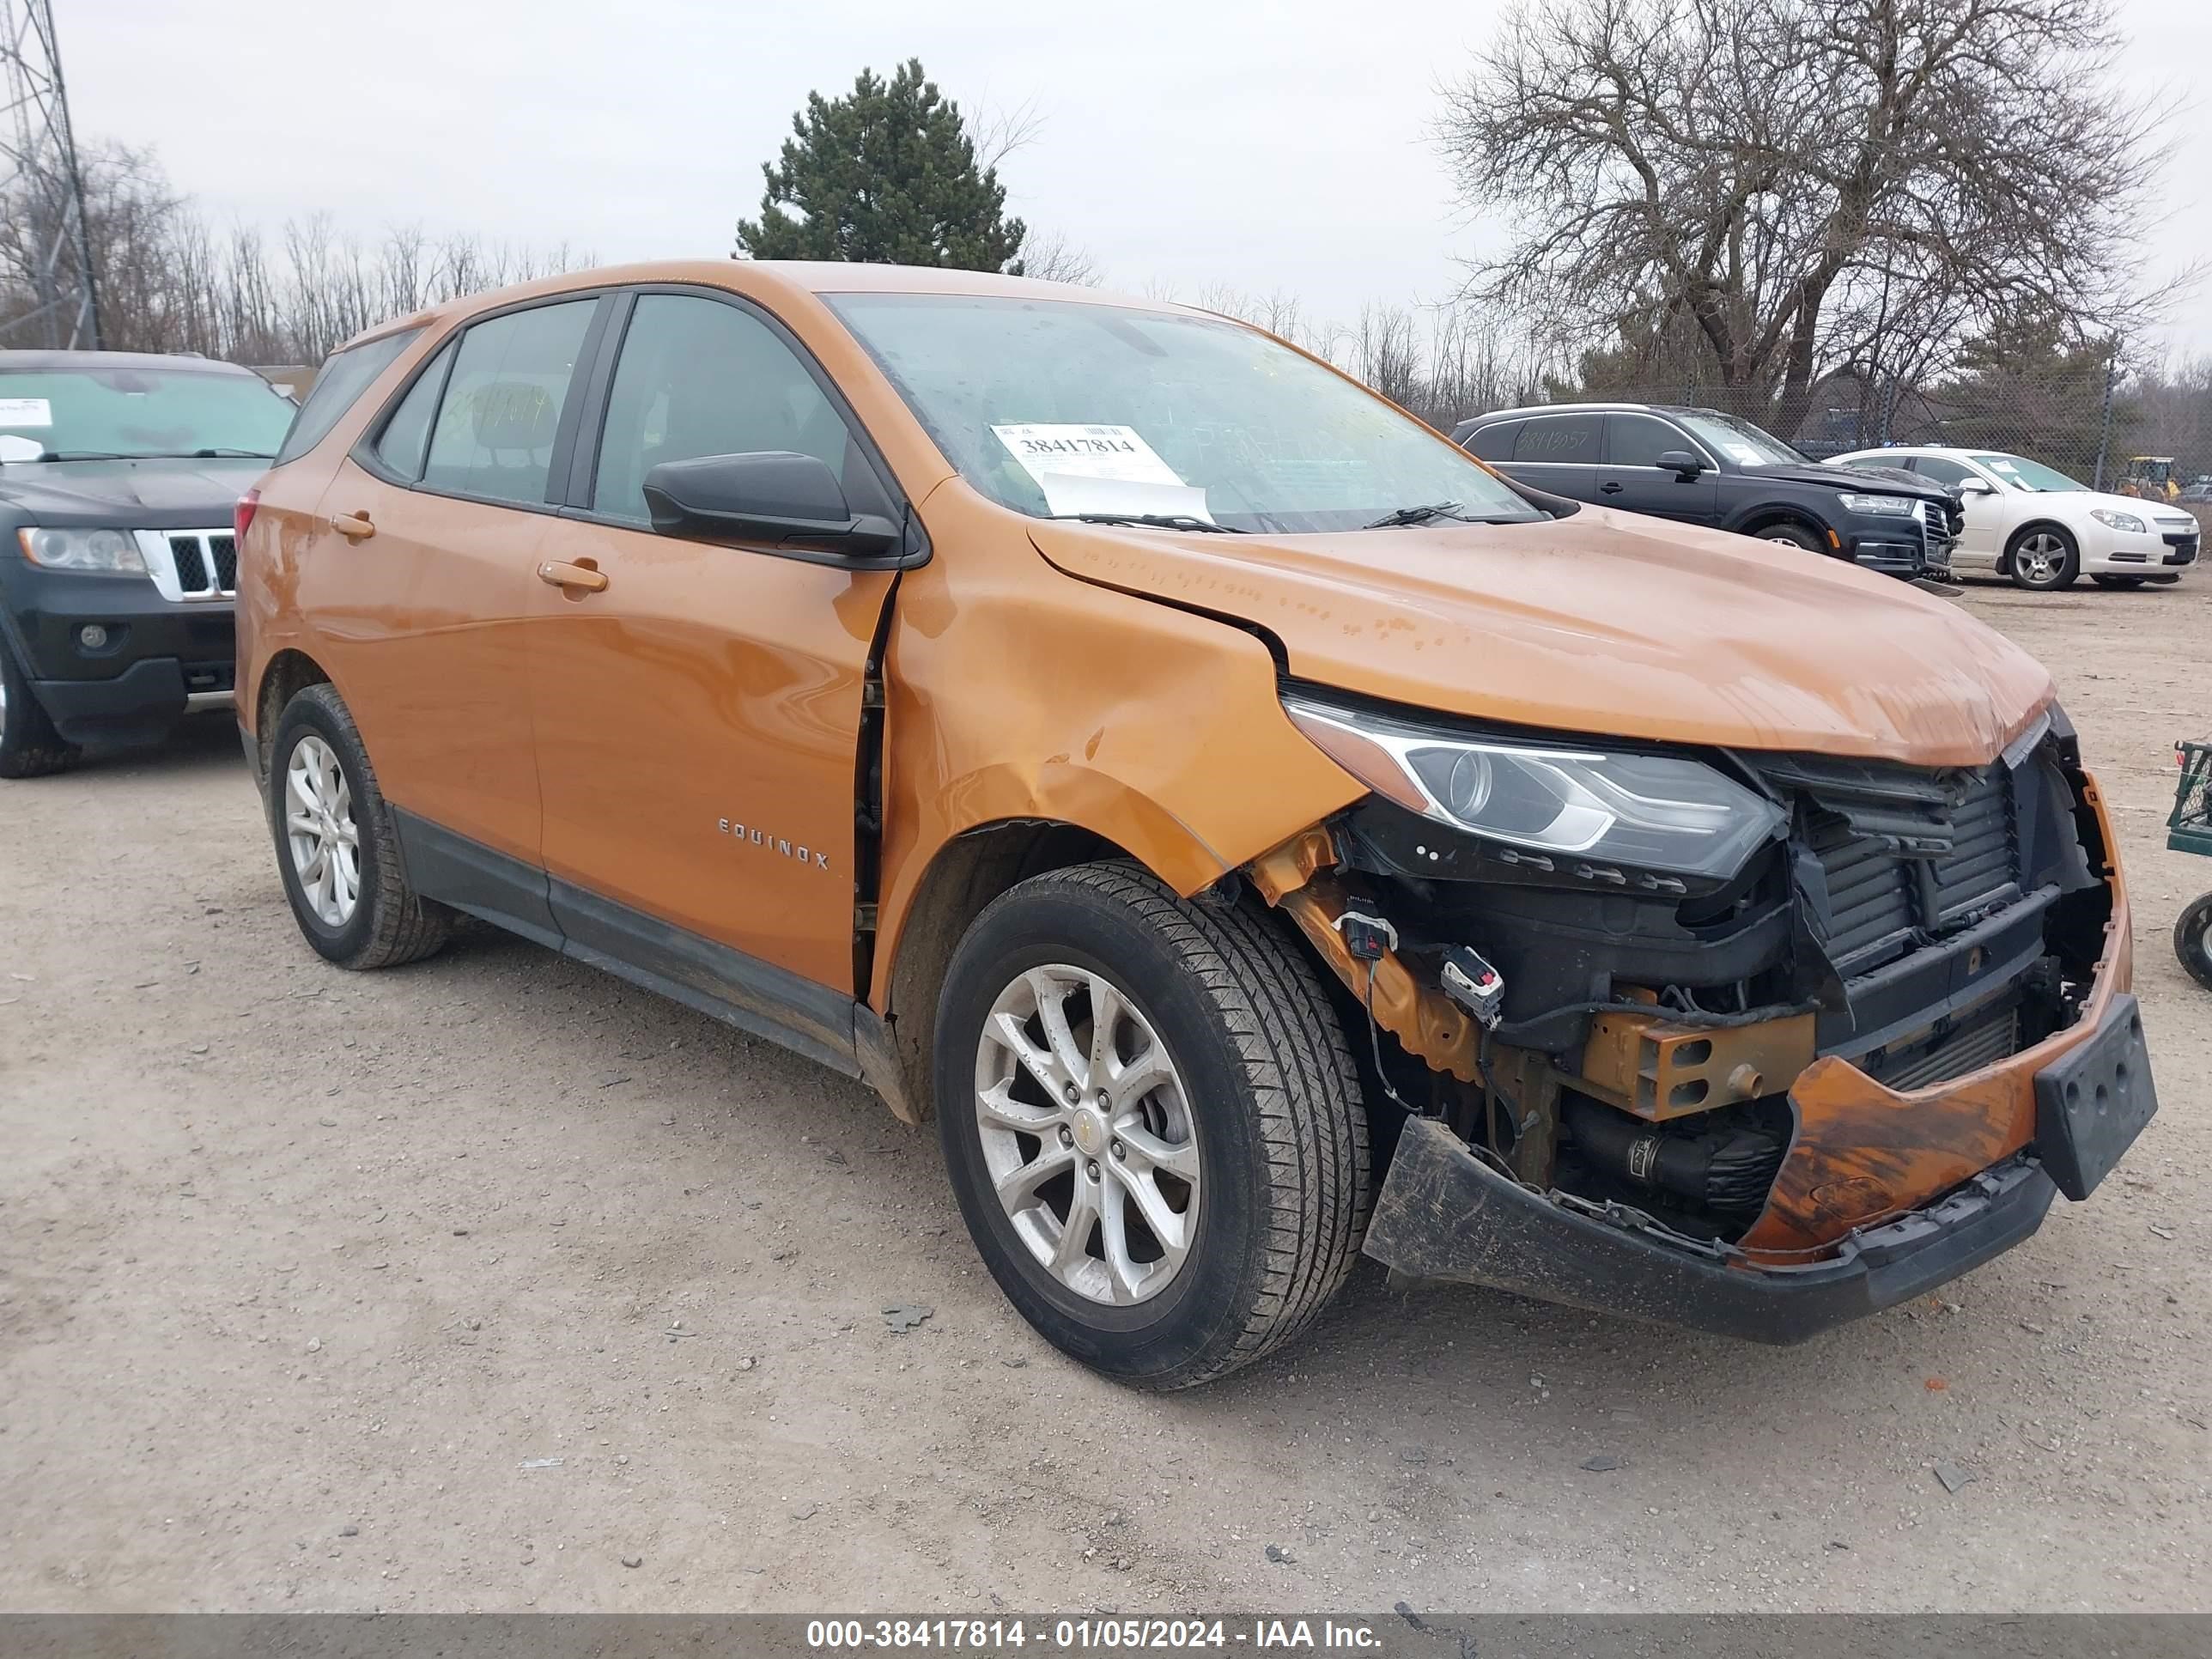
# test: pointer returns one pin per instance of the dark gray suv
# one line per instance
(1701, 467)
(119, 478)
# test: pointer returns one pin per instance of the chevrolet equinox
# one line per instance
(1255, 829)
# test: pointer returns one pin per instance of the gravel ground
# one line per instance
(493, 1283)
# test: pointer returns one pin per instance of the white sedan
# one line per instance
(2035, 524)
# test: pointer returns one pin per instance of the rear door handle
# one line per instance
(354, 526)
(583, 577)
(1613, 489)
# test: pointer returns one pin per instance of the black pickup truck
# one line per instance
(1703, 467)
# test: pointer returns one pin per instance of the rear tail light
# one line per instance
(241, 517)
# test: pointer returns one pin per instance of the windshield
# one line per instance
(1740, 441)
(2022, 474)
(1057, 408)
(101, 412)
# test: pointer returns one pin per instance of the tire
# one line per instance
(29, 746)
(2043, 558)
(2192, 940)
(2119, 581)
(1795, 535)
(1261, 1103)
(386, 922)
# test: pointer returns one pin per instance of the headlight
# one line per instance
(1880, 507)
(111, 550)
(2114, 520)
(1650, 812)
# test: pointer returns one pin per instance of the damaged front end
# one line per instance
(1749, 1042)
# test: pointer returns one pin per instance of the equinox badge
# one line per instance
(760, 838)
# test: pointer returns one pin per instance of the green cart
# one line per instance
(2189, 830)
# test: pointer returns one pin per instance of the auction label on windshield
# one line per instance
(26, 412)
(1099, 469)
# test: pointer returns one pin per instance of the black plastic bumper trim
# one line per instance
(1444, 1214)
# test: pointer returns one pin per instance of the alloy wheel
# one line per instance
(2039, 559)
(320, 831)
(1087, 1134)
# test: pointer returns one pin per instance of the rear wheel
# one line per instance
(1151, 1121)
(29, 746)
(2043, 558)
(2192, 940)
(336, 850)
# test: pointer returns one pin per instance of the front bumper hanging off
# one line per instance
(1445, 1214)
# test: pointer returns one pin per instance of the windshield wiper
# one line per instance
(219, 455)
(1157, 520)
(1421, 514)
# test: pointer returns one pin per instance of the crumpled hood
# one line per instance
(151, 494)
(1603, 623)
(1881, 480)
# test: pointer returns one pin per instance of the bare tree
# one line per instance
(1797, 182)
(1050, 256)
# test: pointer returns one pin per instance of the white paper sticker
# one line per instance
(1745, 455)
(1100, 469)
(26, 412)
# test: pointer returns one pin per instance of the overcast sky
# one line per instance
(1182, 145)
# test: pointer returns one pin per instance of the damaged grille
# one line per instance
(1900, 869)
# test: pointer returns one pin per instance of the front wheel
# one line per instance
(29, 746)
(2044, 558)
(1151, 1122)
(2192, 940)
(1794, 535)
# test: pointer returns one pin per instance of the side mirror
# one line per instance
(1683, 464)
(764, 495)
(1976, 487)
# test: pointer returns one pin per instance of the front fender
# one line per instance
(1016, 691)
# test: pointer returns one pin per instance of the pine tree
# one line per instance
(888, 176)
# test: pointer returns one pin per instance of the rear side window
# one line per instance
(1494, 443)
(337, 387)
(1641, 440)
(407, 434)
(495, 431)
(1571, 439)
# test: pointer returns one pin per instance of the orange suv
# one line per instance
(1255, 831)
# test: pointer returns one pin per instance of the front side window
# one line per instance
(700, 377)
(104, 412)
(1559, 440)
(1740, 441)
(495, 431)
(1058, 408)
(1940, 470)
(1640, 441)
(2017, 472)
(342, 381)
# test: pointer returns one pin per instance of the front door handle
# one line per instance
(354, 526)
(580, 576)
(1610, 489)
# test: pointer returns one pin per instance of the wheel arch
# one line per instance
(965, 874)
(287, 674)
(1767, 515)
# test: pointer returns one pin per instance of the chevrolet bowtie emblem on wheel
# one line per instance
(760, 838)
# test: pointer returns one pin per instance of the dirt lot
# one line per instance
(495, 1283)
